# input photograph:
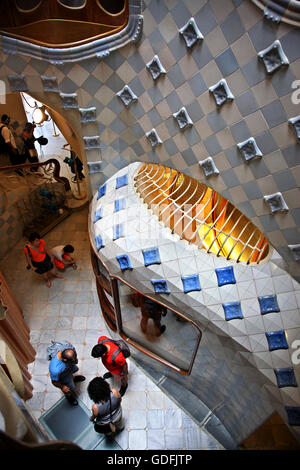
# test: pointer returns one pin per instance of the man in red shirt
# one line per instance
(117, 367)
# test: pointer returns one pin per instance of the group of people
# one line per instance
(45, 263)
(9, 147)
(106, 410)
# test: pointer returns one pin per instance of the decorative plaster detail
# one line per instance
(190, 33)
(69, 100)
(101, 192)
(277, 340)
(232, 310)
(151, 256)
(50, 84)
(120, 204)
(295, 249)
(268, 304)
(285, 377)
(91, 142)
(18, 83)
(208, 166)
(221, 92)
(155, 68)
(273, 57)
(225, 276)
(124, 262)
(99, 242)
(98, 215)
(88, 115)
(127, 95)
(191, 283)
(249, 149)
(276, 202)
(153, 138)
(94, 167)
(121, 181)
(160, 286)
(295, 122)
(182, 118)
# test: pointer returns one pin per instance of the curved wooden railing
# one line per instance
(62, 23)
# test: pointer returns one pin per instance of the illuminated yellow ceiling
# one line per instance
(200, 215)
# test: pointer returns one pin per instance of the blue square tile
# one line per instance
(268, 304)
(124, 262)
(119, 231)
(232, 310)
(160, 286)
(225, 276)
(190, 283)
(101, 191)
(120, 204)
(277, 340)
(99, 242)
(121, 181)
(293, 413)
(98, 215)
(227, 62)
(285, 377)
(151, 256)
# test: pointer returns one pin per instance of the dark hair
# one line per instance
(98, 390)
(33, 236)
(5, 118)
(28, 126)
(68, 249)
(98, 350)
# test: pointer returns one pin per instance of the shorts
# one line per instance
(68, 378)
(44, 266)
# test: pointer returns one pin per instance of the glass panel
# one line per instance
(159, 330)
(112, 7)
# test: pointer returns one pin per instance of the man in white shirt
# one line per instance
(62, 256)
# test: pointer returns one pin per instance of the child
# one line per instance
(62, 256)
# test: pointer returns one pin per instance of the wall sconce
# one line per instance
(39, 115)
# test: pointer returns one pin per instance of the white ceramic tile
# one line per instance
(250, 307)
(246, 289)
(281, 358)
(243, 272)
(258, 343)
(260, 271)
(187, 266)
(287, 301)
(211, 296)
(237, 327)
(263, 360)
(291, 319)
(229, 293)
(264, 286)
(273, 321)
(208, 279)
(283, 283)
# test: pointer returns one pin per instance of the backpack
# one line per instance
(122, 347)
(56, 346)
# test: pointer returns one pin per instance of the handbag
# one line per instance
(105, 428)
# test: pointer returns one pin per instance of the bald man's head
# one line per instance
(69, 355)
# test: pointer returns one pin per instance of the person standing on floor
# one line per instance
(106, 410)
(116, 366)
(39, 259)
(61, 368)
